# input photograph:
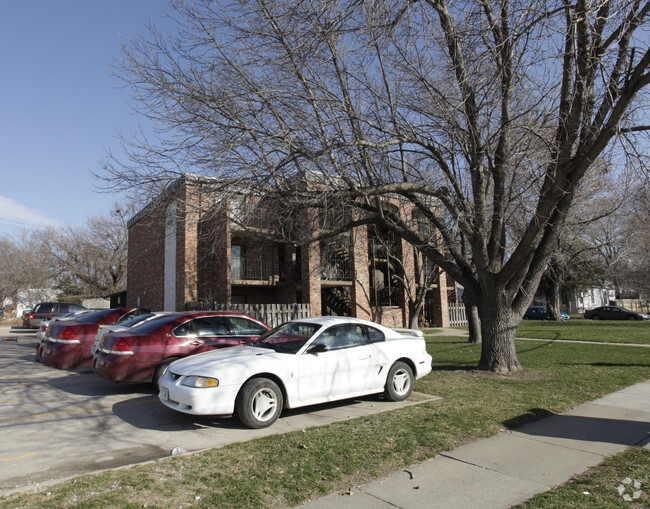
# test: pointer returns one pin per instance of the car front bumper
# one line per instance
(197, 401)
(123, 368)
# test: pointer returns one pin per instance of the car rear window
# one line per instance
(153, 324)
(136, 320)
(45, 308)
(95, 315)
(245, 327)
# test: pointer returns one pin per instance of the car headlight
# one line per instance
(200, 381)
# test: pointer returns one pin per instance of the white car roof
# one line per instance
(334, 320)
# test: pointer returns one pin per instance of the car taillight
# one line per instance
(43, 328)
(121, 346)
(67, 334)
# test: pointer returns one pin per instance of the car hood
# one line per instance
(206, 363)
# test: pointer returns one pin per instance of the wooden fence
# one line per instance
(271, 314)
(457, 316)
(641, 306)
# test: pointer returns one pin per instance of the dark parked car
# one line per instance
(614, 313)
(540, 313)
(142, 353)
(67, 343)
(49, 310)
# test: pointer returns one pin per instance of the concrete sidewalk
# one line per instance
(512, 466)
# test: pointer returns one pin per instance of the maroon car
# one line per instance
(67, 344)
(143, 353)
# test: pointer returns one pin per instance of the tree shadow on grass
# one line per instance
(607, 364)
(532, 415)
(456, 367)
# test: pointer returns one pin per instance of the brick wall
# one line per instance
(146, 261)
(360, 274)
(203, 258)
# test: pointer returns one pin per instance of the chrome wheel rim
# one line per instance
(264, 404)
(401, 382)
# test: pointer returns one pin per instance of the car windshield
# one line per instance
(288, 337)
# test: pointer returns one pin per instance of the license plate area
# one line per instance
(164, 394)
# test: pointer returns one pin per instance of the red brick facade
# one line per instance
(216, 261)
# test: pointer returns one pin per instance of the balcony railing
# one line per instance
(381, 251)
(335, 269)
(256, 269)
(385, 297)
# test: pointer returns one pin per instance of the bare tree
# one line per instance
(24, 267)
(473, 106)
(91, 257)
(635, 272)
(601, 201)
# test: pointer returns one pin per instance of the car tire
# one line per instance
(399, 383)
(595, 317)
(162, 369)
(632, 317)
(259, 403)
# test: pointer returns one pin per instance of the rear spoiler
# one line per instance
(410, 332)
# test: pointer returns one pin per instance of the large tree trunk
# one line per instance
(498, 327)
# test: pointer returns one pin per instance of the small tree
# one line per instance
(91, 258)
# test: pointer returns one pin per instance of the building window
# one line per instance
(237, 260)
(384, 285)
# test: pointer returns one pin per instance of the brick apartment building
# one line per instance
(182, 249)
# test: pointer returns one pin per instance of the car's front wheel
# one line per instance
(632, 317)
(161, 369)
(259, 403)
(399, 383)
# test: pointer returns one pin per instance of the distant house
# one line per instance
(597, 295)
(179, 254)
(26, 299)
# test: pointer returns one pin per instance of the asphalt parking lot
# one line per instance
(55, 424)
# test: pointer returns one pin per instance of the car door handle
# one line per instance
(364, 357)
(195, 343)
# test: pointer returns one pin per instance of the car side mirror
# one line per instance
(319, 348)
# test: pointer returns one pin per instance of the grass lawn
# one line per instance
(620, 481)
(587, 330)
(286, 470)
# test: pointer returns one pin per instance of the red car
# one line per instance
(143, 353)
(67, 344)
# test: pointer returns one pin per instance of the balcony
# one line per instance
(382, 251)
(335, 269)
(256, 269)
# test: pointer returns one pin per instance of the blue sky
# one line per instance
(60, 108)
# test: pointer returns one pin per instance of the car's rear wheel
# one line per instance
(399, 382)
(259, 403)
(595, 317)
(162, 369)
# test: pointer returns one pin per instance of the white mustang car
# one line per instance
(302, 362)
